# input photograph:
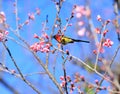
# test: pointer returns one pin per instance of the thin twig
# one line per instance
(79, 60)
(58, 8)
(100, 45)
(16, 15)
(41, 63)
(113, 58)
(27, 82)
(64, 70)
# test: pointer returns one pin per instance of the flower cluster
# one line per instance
(42, 45)
(71, 84)
(108, 43)
(80, 84)
(105, 42)
(81, 12)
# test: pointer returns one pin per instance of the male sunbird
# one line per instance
(65, 40)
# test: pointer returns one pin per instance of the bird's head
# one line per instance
(57, 37)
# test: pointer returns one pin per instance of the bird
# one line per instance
(66, 40)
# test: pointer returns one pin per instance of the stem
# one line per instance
(64, 70)
(27, 82)
(16, 15)
(100, 45)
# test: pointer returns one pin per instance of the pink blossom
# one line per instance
(78, 15)
(81, 32)
(104, 33)
(108, 43)
(97, 30)
(96, 81)
(45, 49)
(80, 9)
(95, 52)
(44, 35)
(62, 84)
(99, 18)
(13, 71)
(80, 23)
(70, 24)
(77, 8)
(72, 87)
(82, 78)
(62, 78)
(40, 46)
(108, 21)
(3, 34)
(68, 78)
(38, 11)
(87, 12)
(6, 32)
(27, 22)
(31, 16)
(36, 36)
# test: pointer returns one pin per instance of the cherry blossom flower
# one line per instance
(96, 81)
(62, 78)
(108, 21)
(78, 15)
(99, 18)
(81, 32)
(41, 46)
(82, 78)
(97, 30)
(81, 10)
(3, 34)
(72, 87)
(38, 11)
(44, 35)
(62, 84)
(27, 22)
(87, 12)
(108, 43)
(31, 16)
(68, 78)
(104, 33)
(80, 23)
(36, 36)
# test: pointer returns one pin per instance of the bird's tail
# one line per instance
(75, 40)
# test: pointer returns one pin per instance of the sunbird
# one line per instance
(65, 40)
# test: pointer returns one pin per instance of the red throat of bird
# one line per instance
(58, 38)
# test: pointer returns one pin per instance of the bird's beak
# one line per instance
(53, 36)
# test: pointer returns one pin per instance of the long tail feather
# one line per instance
(81, 41)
